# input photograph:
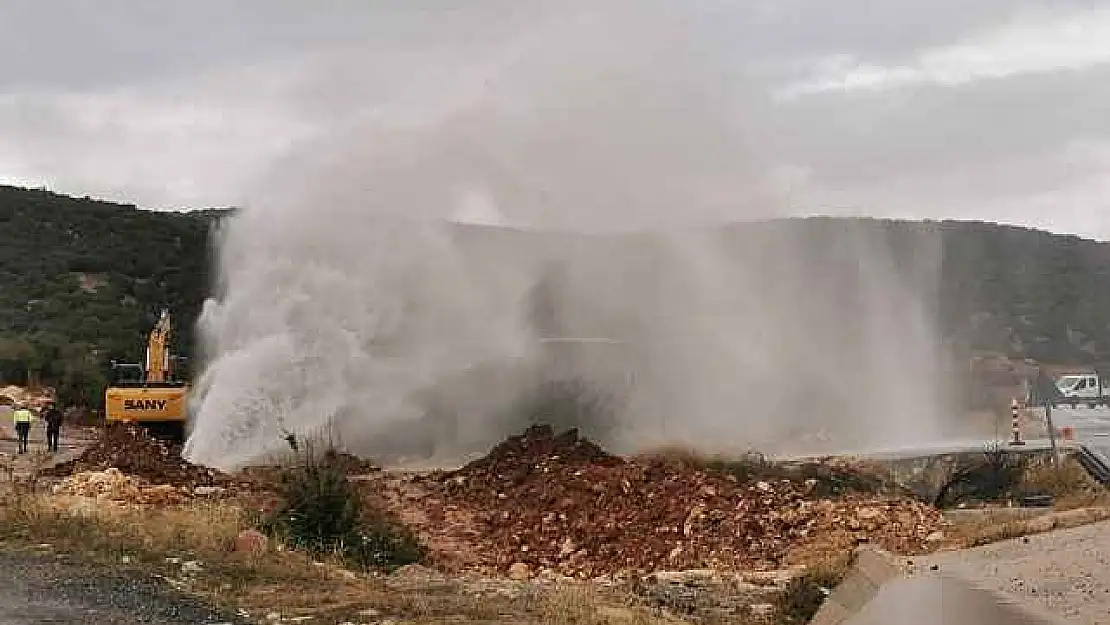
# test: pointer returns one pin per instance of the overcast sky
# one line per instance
(992, 109)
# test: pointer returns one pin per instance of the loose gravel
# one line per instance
(1066, 571)
(37, 588)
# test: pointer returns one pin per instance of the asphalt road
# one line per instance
(41, 588)
(1090, 426)
(1087, 423)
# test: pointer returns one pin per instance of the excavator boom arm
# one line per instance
(157, 351)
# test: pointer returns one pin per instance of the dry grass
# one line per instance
(107, 526)
(582, 605)
(989, 528)
(1069, 484)
(157, 539)
(278, 580)
(1077, 500)
(805, 594)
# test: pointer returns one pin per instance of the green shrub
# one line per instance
(321, 508)
(382, 543)
(323, 513)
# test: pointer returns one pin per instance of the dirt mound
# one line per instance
(272, 477)
(112, 485)
(349, 464)
(837, 476)
(537, 444)
(133, 452)
(37, 397)
(562, 503)
(823, 477)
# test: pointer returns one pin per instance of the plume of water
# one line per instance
(349, 299)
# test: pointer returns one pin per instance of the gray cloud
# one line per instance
(926, 128)
(198, 103)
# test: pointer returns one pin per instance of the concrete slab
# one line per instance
(946, 600)
(878, 590)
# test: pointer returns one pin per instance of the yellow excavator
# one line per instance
(150, 395)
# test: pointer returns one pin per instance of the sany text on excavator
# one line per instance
(149, 394)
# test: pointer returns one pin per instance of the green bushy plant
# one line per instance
(323, 513)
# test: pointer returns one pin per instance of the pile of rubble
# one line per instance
(11, 395)
(842, 476)
(562, 504)
(273, 477)
(134, 452)
(113, 485)
(347, 463)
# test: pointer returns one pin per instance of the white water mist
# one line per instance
(348, 300)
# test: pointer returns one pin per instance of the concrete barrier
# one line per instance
(871, 568)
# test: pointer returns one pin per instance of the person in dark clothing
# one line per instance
(53, 418)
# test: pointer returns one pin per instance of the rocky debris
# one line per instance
(251, 541)
(558, 502)
(716, 595)
(209, 491)
(11, 395)
(831, 476)
(274, 476)
(348, 463)
(112, 485)
(134, 452)
(419, 578)
(538, 443)
(451, 534)
(841, 476)
(520, 571)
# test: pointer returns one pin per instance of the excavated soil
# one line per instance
(133, 452)
(349, 464)
(272, 477)
(112, 485)
(560, 503)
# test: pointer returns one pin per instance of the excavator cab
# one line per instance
(149, 394)
(127, 374)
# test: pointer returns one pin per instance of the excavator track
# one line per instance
(168, 431)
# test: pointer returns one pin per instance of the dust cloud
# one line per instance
(591, 177)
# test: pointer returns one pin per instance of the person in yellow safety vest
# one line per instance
(22, 417)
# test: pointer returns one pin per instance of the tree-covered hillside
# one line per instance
(1003, 289)
(83, 281)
